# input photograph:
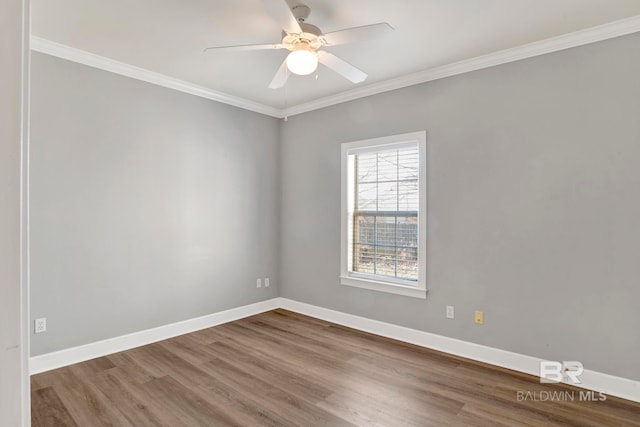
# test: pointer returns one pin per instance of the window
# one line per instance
(384, 214)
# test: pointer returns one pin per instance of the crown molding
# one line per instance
(554, 44)
(69, 53)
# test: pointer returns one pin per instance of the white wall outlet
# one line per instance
(40, 325)
(450, 312)
(266, 282)
(259, 283)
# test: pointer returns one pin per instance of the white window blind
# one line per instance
(385, 217)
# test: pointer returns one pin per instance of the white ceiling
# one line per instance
(167, 36)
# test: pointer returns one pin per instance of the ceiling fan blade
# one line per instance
(281, 76)
(356, 34)
(244, 47)
(279, 10)
(341, 67)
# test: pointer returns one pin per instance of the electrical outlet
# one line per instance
(40, 325)
(450, 312)
(266, 282)
(479, 317)
(259, 283)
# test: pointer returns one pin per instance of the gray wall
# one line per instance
(149, 206)
(534, 204)
(14, 395)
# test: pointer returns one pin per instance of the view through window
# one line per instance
(385, 218)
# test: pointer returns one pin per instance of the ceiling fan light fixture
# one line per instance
(302, 60)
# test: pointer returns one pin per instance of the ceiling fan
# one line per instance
(305, 42)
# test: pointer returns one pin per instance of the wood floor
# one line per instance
(284, 369)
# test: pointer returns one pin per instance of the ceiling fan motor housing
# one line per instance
(301, 12)
(310, 35)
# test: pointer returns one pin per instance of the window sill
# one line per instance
(390, 288)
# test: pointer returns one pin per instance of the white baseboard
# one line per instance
(58, 359)
(591, 380)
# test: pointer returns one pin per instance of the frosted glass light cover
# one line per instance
(302, 62)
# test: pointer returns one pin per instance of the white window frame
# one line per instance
(416, 289)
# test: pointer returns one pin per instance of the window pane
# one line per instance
(365, 230)
(385, 231)
(364, 256)
(408, 163)
(407, 252)
(388, 196)
(366, 166)
(387, 245)
(385, 261)
(367, 197)
(407, 232)
(388, 165)
(408, 270)
(408, 196)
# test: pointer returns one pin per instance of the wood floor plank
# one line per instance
(300, 337)
(86, 404)
(269, 371)
(43, 380)
(290, 406)
(93, 366)
(207, 335)
(187, 405)
(135, 369)
(284, 369)
(325, 377)
(195, 355)
(318, 371)
(369, 343)
(47, 410)
(133, 406)
(246, 411)
(270, 344)
(237, 408)
(378, 392)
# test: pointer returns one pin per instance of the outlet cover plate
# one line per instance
(40, 325)
(479, 317)
(450, 312)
